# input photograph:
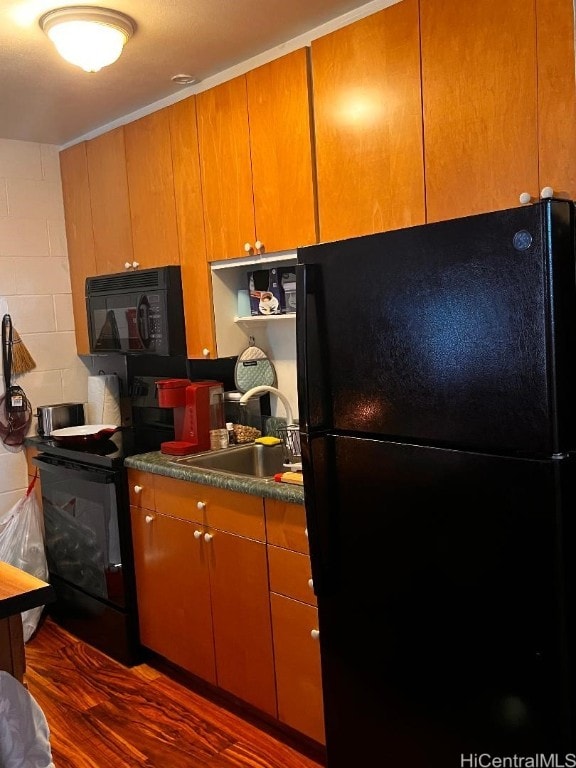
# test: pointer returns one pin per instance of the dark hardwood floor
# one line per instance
(104, 715)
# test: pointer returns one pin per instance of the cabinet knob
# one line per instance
(201, 505)
(135, 264)
(127, 265)
(306, 532)
(197, 534)
(206, 352)
(137, 489)
(525, 198)
(546, 192)
(315, 634)
(247, 247)
(258, 246)
(311, 583)
(149, 518)
(208, 537)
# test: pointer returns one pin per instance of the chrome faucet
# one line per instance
(264, 388)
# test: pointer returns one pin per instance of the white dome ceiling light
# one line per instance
(87, 36)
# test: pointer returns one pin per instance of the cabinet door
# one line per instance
(368, 124)
(297, 659)
(79, 234)
(556, 96)
(173, 588)
(480, 105)
(241, 615)
(224, 145)
(196, 278)
(279, 107)
(151, 189)
(109, 199)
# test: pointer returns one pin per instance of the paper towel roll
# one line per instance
(104, 399)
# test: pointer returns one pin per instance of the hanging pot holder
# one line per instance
(253, 369)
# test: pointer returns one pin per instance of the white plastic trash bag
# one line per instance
(22, 545)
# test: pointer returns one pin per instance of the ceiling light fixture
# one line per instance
(87, 36)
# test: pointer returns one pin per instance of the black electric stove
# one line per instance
(109, 452)
(88, 540)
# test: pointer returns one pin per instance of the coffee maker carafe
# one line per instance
(198, 409)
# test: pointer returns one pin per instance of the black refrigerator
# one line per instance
(437, 391)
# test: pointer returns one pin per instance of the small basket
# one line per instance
(290, 436)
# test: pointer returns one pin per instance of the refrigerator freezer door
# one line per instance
(459, 333)
(441, 584)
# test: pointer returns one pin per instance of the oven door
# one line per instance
(83, 547)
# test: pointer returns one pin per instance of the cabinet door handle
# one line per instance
(206, 352)
(201, 505)
(525, 198)
(149, 519)
(137, 489)
(315, 634)
(197, 534)
(247, 247)
(258, 246)
(311, 583)
(208, 537)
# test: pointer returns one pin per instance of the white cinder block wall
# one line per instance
(35, 289)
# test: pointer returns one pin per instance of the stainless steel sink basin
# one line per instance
(252, 460)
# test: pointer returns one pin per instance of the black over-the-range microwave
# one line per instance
(139, 312)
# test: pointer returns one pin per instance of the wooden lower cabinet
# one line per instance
(173, 585)
(202, 584)
(294, 620)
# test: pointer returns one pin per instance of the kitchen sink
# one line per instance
(252, 460)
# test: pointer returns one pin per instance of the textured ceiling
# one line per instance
(45, 99)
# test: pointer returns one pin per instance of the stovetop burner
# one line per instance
(109, 452)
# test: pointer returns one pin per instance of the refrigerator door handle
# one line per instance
(321, 501)
(314, 391)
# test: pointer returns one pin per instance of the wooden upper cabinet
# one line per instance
(79, 234)
(196, 278)
(110, 204)
(254, 136)
(368, 124)
(479, 84)
(556, 96)
(279, 109)
(224, 146)
(151, 190)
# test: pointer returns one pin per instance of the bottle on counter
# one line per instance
(231, 433)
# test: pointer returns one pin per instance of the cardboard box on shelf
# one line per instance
(265, 292)
(287, 280)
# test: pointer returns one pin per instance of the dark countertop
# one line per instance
(160, 464)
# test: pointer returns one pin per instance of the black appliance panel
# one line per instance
(441, 578)
(89, 545)
(139, 312)
(459, 333)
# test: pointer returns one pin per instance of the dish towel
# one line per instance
(104, 399)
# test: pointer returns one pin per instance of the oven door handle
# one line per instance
(74, 472)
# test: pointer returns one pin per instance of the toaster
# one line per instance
(51, 417)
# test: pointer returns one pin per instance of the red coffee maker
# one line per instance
(198, 408)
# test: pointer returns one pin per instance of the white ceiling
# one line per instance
(45, 99)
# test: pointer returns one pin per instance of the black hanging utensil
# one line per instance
(15, 408)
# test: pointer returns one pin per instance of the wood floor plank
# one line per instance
(102, 714)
